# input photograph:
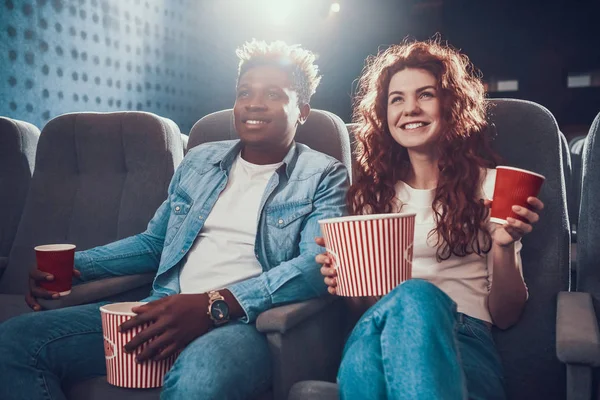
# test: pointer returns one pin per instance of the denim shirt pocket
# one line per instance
(284, 224)
(181, 204)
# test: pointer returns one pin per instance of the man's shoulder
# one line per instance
(208, 153)
(312, 161)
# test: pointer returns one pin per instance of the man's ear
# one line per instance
(304, 112)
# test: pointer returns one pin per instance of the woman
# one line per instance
(421, 115)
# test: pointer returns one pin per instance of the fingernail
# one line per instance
(49, 277)
(36, 308)
(511, 220)
(516, 208)
(55, 296)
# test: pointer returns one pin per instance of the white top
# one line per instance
(223, 252)
(467, 280)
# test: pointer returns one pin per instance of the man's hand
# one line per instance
(36, 292)
(175, 322)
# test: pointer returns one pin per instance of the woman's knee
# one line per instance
(415, 297)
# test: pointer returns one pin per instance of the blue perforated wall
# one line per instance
(60, 56)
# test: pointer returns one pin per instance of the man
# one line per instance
(236, 234)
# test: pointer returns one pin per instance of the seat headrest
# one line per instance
(323, 131)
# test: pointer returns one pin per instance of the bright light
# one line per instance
(335, 7)
(279, 11)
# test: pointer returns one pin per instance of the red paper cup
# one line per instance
(513, 187)
(58, 260)
(121, 368)
(371, 253)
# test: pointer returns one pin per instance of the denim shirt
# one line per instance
(309, 186)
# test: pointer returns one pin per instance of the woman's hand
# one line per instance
(515, 229)
(327, 270)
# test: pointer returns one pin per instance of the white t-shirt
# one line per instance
(467, 280)
(223, 252)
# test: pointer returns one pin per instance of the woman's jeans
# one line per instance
(412, 344)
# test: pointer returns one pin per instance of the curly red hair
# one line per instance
(464, 149)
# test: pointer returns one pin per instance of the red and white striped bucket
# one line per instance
(371, 253)
(121, 368)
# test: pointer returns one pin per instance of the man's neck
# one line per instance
(262, 156)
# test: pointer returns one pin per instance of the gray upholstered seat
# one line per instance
(18, 143)
(578, 336)
(527, 137)
(99, 177)
(291, 329)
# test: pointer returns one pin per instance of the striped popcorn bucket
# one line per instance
(371, 253)
(121, 368)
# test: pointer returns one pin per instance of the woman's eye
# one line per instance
(396, 99)
(242, 93)
(273, 95)
(426, 95)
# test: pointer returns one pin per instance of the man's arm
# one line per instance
(297, 279)
(136, 254)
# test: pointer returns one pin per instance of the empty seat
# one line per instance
(99, 177)
(18, 143)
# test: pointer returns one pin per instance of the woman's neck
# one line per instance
(423, 172)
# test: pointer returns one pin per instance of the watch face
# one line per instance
(219, 310)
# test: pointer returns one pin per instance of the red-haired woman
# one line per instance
(421, 115)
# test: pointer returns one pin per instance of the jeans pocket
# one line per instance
(475, 329)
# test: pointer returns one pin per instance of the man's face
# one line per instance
(266, 108)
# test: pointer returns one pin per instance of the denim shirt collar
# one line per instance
(225, 159)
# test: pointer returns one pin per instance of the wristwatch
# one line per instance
(218, 309)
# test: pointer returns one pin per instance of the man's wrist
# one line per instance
(235, 309)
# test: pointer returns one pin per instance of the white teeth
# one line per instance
(255, 122)
(414, 125)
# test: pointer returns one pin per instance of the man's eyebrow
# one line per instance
(419, 90)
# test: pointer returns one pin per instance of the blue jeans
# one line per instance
(412, 344)
(40, 352)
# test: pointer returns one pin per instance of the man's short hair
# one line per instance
(299, 63)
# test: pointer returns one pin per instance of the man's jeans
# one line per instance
(412, 344)
(41, 351)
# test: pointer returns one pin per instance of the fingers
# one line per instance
(332, 290)
(526, 213)
(37, 292)
(519, 226)
(166, 352)
(32, 303)
(331, 282)
(142, 337)
(138, 320)
(76, 273)
(153, 347)
(328, 271)
(536, 203)
(40, 276)
(320, 241)
(323, 259)
(487, 203)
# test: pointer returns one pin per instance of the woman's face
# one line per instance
(414, 113)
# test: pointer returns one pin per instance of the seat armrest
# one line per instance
(577, 334)
(3, 264)
(94, 291)
(284, 318)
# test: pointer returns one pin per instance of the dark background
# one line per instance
(177, 58)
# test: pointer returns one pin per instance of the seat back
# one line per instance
(528, 137)
(99, 177)
(323, 131)
(18, 143)
(588, 230)
(576, 152)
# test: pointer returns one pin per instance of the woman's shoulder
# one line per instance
(488, 180)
